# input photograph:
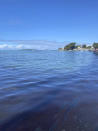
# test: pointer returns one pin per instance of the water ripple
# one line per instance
(56, 91)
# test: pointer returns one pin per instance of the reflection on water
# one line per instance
(95, 52)
(48, 91)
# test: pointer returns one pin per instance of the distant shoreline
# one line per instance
(78, 50)
(73, 46)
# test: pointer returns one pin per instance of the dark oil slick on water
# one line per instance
(48, 91)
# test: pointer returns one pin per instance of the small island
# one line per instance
(82, 47)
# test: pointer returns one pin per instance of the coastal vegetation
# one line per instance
(84, 46)
(75, 46)
(70, 46)
(95, 45)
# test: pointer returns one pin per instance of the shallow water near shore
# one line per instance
(48, 90)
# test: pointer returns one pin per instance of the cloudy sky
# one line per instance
(31, 44)
(47, 21)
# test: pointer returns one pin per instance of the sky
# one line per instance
(49, 20)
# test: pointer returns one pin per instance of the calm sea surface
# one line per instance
(48, 91)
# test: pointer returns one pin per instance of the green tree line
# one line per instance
(73, 45)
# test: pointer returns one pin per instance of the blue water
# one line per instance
(48, 90)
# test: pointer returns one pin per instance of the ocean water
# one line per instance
(48, 90)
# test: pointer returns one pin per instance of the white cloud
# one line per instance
(33, 44)
(3, 46)
(19, 46)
